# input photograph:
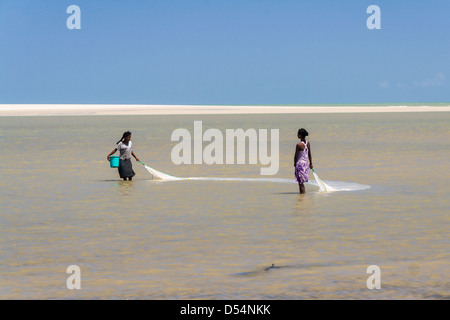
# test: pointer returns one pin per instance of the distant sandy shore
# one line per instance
(105, 109)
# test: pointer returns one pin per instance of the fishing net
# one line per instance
(338, 186)
(159, 175)
(322, 185)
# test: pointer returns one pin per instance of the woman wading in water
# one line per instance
(302, 155)
(124, 146)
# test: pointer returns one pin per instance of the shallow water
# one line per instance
(216, 238)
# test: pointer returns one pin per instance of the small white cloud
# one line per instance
(438, 80)
(384, 84)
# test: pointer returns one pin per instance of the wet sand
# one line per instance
(109, 109)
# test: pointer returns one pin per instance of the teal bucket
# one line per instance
(114, 161)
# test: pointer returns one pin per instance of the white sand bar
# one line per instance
(122, 109)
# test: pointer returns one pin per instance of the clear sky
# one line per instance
(224, 52)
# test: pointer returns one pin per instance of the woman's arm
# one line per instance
(132, 153)
(299, 147)
(295, 156)
(112, 152)
(310, 156)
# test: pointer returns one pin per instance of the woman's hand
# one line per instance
(109, 155)
(311, 166)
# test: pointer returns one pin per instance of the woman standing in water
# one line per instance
(124, 146)
(302, 155)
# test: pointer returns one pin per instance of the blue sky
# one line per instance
(224, 52)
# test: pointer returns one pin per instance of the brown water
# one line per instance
(62, 205)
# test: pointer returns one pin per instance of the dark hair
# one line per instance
(125, 134)
(302, 132)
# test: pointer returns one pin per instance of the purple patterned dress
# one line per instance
(302, 165)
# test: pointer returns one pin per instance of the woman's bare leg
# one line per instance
(302, 188)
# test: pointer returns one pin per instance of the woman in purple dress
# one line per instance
(302, 155)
